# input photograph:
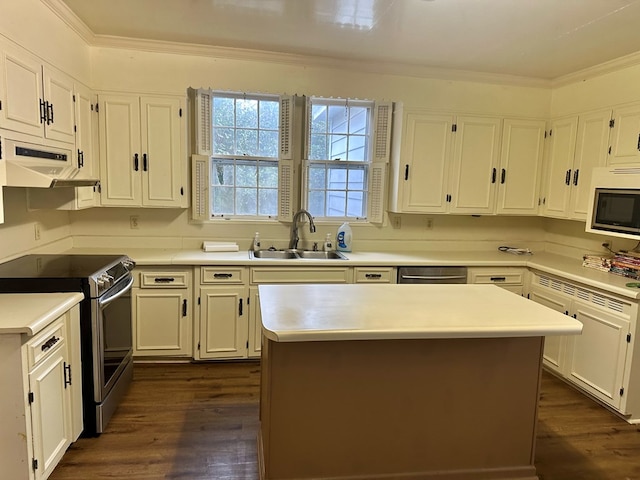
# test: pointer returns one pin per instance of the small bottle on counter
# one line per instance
(256, 242)
(328, 244)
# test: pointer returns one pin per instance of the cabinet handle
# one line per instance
(136, 165)
(43, 113)
(80, 158)
(240, 308)
(222, 275)
(498, 279)
(67, 374)
(639, 141)
(144, 162)
(164, 279)
(567, 177)
(373, 275)
(49, 113)
(503, 176)
(184, 307)
(575, 177)
(493, 175)
(406, 167)
(50, 343)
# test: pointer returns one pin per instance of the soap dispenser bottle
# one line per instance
(256, 242)
(328, 244)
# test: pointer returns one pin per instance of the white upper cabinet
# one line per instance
(142, 151)
(87, 144)
(519, 175)
(578, 144)
(625, 136)
(36, 100)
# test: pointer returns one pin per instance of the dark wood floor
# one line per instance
(200, 421)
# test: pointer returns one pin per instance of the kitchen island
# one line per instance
(410, 381)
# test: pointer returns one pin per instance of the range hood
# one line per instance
(31, 165)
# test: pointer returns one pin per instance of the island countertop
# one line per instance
(29, 313)
(295, 313)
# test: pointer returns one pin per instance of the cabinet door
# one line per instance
(86, 144)
(625, 136)
(520, 167)
(591, 151)
(50, 413)
(255, 323)
(72, 323)
(223, 322)
(161, 151)
(162, 323)
(21, 90)
(120, 161)
(554, 345)
(596, 358)
(425, 150)
(58, 92)
(560, 166)
(475, 158)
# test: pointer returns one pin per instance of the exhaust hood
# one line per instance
(31, 165)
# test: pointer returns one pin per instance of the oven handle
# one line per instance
(111, 298)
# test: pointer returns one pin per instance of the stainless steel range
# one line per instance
(105, 320)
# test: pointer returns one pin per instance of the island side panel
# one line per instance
(391, 407)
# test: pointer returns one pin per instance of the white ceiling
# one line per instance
(541, 39)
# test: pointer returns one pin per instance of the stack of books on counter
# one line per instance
(598, 262)
(626, 264)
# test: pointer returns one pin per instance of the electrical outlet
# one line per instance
(134, 222)
(396, 221)
(36, 231)
(428, 223)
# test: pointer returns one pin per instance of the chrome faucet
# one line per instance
(293, 243)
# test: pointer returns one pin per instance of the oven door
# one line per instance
(112, 336)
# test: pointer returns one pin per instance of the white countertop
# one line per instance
(31, 312)
(294, 313)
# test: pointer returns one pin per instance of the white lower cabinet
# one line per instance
(255, 323)
(509, 278)
(600, 360)
(41, 400)
(162, 313)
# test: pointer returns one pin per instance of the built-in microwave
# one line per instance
(614, 207)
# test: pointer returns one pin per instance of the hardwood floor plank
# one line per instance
(200, 422)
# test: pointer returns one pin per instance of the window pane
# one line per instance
(358, 120)
(268, 175)
(338, 119)
(355, 204)
(318, 118)
(356, 179)
(316, 203)
(337, 179)
(223, 141)
(247, 175)
(269, 114)
(268, 202)
(317, 177)
(222, 200)
(247, 142)
(223, 112)
(268, 144)
(246, 201)
(246, 113)
(222, 172)
(318, 147)
(357, 151)
(338, 147)
(336, 204)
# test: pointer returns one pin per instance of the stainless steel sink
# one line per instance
(296, 254)
(332, 255)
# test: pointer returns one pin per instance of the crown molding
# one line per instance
(616, 64)
(74, 22)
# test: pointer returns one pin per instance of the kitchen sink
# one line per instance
(296, 254)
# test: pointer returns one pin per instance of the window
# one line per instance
(244, 164)
(338, 157)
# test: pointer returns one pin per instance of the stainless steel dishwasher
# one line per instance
(437, 275)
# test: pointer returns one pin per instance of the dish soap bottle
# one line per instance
(344, 238)
(328, 244)
(256, 242)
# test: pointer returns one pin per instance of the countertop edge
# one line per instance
(37, 323)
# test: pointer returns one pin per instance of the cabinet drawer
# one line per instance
(164, 279)
(228, 275)
(300, 275)
(373, 275)
(498, 276)
(46, 342)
